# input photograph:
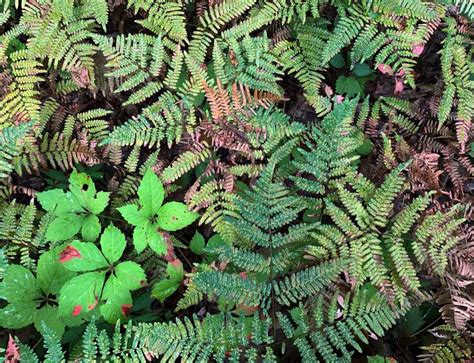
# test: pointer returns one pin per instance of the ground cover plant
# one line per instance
(236, 180)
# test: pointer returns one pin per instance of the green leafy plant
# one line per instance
(34, 299)
(103, 282)
(75, 210)
(152, 216)
(166, 287)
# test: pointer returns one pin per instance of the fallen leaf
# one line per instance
(418, 49)
(12, 354)
(328, 90)
(398, 86)
(385, 69)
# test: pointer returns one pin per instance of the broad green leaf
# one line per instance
(82, 187)
(58, 202)
(51, 274)
(85, 257)
(157, 242)
(117, 306)
(99, 203)
(18, 314)
(362, 70)
(151, 193)
(132, 215)
(64, 227)
(79, 295)
(338, 61)
(161, 290)
(112, 243)
(174, 215)
(19, 284)
(175, 270)
(90, 228)
(197, 244)
(348, 85)
(141, 236)
(130, 274)
(49, 315)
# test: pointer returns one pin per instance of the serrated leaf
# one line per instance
(89, 258)
(175, 270)
(197, 244)
(58, 202)
(141, 235)
(348, 85)
(78, 295)
(82, 187)
(90, 228)
(64, 227)
(130, 274)
(99, 203)
(18, 315)
(118, 301)
(112, 243)
(157, 242)
(132, 215)
(19, 284)
(163, 289)
(362, 70)
(49, 315)
(51, 274)
(151, 193)
(174, 216)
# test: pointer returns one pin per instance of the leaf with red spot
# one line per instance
(115, 295)
(12, 354)
(126, 309)
(68, 254)
(82, 256)
(93, 305)
(385, 69)
(76, 310)
(80, 290)
(174, 216)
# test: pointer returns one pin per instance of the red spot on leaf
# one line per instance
(176, 262)
(385, 69)
(174, 218)
(227, 354)
(398, 86)
(170, 255)
(243, 275)
(12, 354)
(339, 99)
(142, 282)
(126, 309)
(94, 304)
(68, 254)
(76, 310)
(418, 49)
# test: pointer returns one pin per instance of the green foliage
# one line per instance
(33, 300)
(153, 215)
(102, 279)
(317, 227)
(75, 210)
